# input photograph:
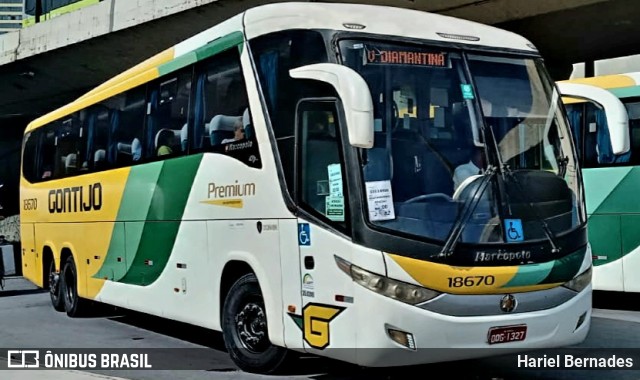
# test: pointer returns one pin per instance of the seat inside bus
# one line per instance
(221, 127)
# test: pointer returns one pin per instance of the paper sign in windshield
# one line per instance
(335, 208)
(380, 201)
(335, 180)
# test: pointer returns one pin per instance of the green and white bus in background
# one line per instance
(608, 143)
(286, 177)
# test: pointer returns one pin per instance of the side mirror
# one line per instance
(617, 116)
(354, 94)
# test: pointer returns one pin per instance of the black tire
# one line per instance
(55, 288)
(244, 328)
(73, 305)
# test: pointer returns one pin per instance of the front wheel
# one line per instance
(244, 328)
(55, 288)
(73, 304)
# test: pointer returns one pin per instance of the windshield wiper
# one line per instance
(545, 227)
(507, 173)
(468, 208)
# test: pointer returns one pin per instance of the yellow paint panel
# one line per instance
(440, 276)
(569, 100)
(56, 202)
(605, 81)
(88, 242)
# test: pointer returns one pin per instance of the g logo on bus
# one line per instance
(314, 323)
(508, 303)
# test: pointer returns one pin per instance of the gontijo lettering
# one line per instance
(75, 199)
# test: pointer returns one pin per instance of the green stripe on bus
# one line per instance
(532, 274)
(219, 45)
(134, 206)
(136, 198)
(566, 268)
(626, 92)
(178, 63)
(163, 220)
(112, 268)
(601, 184)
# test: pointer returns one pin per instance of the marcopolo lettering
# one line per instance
(76, 199)
(501, 255)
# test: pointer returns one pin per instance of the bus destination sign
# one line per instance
(405, 57)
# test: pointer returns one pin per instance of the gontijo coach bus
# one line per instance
(285, 177)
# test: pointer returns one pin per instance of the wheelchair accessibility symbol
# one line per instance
(304, 234)
(513, 229)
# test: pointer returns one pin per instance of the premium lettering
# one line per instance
(235, 190)
(75, 199)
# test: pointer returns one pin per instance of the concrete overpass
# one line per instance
(49, 64)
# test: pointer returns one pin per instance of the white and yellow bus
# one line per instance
(286, 177)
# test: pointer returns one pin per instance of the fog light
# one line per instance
(581, 320)
(402, 338)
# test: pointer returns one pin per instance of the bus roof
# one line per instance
(621, 85)
(381, 20)
(371, 19)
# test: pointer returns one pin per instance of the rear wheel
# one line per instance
(244, 328)
(55, 285)
(73, 305)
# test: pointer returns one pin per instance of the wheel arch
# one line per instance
(270, 287)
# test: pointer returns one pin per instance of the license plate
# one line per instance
(506, 334)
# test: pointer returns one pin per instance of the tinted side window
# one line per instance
(321, 170)
(222, 119)
(29, 170)
(96, 123)
(166, 133)
(275, 54)
(70, 146)
(48, 166)
(126, 124)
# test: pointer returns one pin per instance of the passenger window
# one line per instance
(29, 156)
(97, 124)
(222, 119)
(70, 147)
(47, 168)
(167, 123)
(275, 54)
(321, 187)
(126, 123)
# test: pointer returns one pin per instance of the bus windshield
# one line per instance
(478, 141)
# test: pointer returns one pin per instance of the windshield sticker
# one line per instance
(467, 91)
(335, 180)
(334, 208)
(405, 57)
(513, 228)
(380, 201)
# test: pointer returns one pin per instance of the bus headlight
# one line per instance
(397, 290)
(579, 282)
